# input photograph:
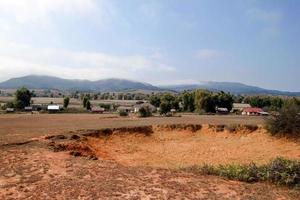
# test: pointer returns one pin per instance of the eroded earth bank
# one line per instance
(142, 162)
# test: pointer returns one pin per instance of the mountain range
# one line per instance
(113, 84)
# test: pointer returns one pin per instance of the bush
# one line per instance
(144, 112)
(123, 113)
(287, 122)
(9, 104)
(88, 105)
(66, 102)
(279, 171)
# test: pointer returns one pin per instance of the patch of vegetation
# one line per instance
(144, 112)
(66, 102)
(287, 122)
(208, 101)
(280, 171)
(23, 98)
(123, 113)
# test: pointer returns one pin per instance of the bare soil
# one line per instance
(182, 148)
(21, 127)
(73, 157)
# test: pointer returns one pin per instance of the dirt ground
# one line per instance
(20, 127)
(131, 165)
(32, 172)
(175, 149)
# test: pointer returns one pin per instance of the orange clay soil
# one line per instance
(173, 149)
(127, 165)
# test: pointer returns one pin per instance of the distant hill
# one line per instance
(114, 85)
(232, 87)
(49, 82)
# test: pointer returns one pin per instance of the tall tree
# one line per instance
(66, 102)
(23, 97)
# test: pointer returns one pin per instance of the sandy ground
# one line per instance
(174, 149)
(33, 172)
(20, 127)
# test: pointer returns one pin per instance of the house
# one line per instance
(37, 107)
(254, 111)
(239, 107)
(144, 105)
(125, 109)
(53, 108)
(28, 109)
(173, 111)
(10, 110)
(97, 110)
(222, 110)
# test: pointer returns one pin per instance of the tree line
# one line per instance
(193, 101)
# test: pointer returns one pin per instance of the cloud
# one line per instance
(33, 11)
(208, 54)
(19, 59)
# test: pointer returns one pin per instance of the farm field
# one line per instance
(19, 127)
(74, 103)
(138, 162)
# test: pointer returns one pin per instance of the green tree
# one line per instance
(86, 98)
(188, 101)
(224, 100)
(144, 112)
(155, 101)
(23, 97)
(205, 101)
(168, 102)
(66, 102)
(88, 105)
(287, 122)
(164, 108)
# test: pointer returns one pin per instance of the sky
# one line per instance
(163, 42)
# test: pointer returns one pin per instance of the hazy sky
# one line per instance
(256, 42)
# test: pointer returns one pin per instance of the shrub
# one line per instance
(66, 102)
(284, 172)
(123, 113)
(9, 104)
(88, 105)
(287, 122)
(279, 171)
(144, 112)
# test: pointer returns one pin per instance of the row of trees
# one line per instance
(268, 103)
(22, 99)
(199, 101)
(110, 96)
